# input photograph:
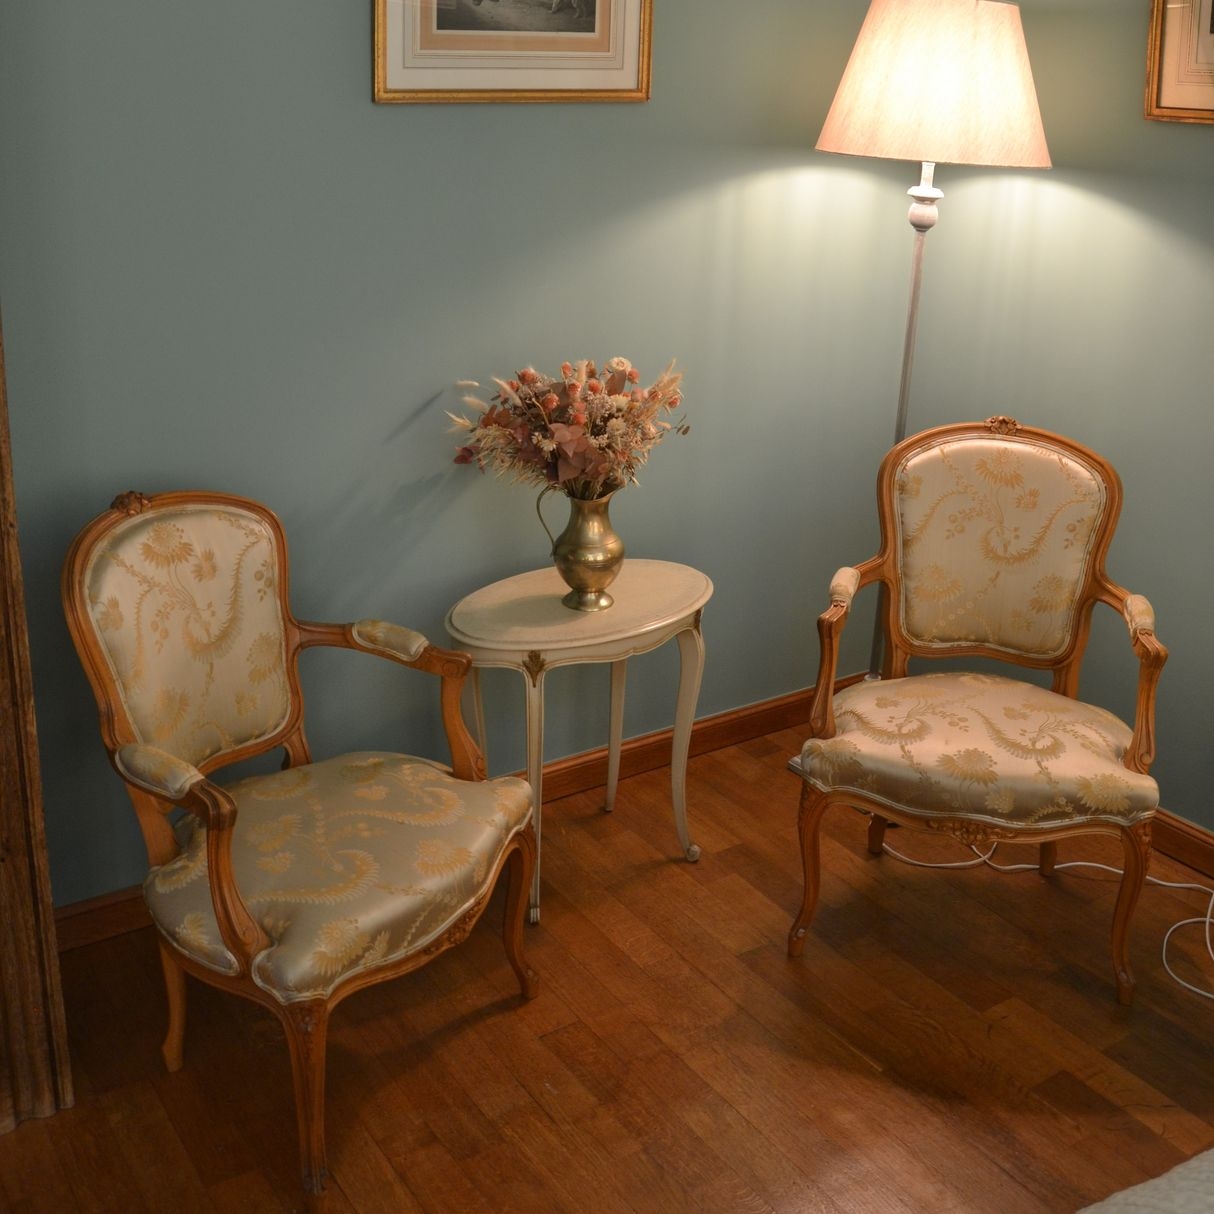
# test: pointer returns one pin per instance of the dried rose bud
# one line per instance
(550, 403)
(594, 386)
(528, 375)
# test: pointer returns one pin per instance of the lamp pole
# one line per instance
(923, 214)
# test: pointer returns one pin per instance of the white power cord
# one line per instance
(1206, 920)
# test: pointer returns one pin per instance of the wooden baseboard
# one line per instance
(1184, 841)
(95, 919)
(589, 770)
(112, 914)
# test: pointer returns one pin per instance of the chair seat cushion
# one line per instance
(982, 746)
(347, 864)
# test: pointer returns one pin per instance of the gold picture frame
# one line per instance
(512, 50)
(1180, 61)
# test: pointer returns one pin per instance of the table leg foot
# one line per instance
(692, 853)
(533, 913)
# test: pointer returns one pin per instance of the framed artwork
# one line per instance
(1180, 61)
(512, 50)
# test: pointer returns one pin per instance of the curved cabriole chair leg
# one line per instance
(809, 819)
(1136, 848)
(174, 985)
(876, 834)
(520, 869)
(307, 1029)
(1047, 857)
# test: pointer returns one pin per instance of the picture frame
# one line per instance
(512, 50)
(1180, 61)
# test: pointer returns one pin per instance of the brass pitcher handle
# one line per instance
(539, 514)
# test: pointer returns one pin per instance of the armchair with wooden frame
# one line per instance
(993, 544)
(296, 888)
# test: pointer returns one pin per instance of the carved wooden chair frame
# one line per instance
(305, 1022)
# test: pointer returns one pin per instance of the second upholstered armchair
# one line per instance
(994, 538)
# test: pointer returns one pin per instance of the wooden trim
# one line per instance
(589, 769)
(35, 1069)
(1184, 841)
(98, 919)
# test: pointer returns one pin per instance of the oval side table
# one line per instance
(520, 623)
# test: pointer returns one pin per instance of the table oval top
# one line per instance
(525, 612)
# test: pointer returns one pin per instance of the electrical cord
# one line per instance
(984, 858)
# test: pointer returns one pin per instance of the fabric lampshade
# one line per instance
(944, 81)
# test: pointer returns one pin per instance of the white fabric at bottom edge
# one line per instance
(1187, 1189)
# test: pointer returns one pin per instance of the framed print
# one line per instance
(1180, 61)
(512, 50)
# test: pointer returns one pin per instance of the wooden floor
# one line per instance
(949, 1042)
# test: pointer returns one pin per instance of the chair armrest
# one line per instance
(843, 587)
(391, 640)
(1139, 617)
(410, 648)
(170, 779)
(156, 771)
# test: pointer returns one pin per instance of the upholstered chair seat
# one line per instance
(298, 888)
(993, 542)
(347, 864)
(998, 750)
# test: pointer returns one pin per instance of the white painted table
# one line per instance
(521, 623)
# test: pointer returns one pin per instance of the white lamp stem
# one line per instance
(922, 215)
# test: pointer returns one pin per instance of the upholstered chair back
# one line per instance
(997, 537)
(185, 602)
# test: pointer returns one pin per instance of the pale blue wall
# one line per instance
(222, 266)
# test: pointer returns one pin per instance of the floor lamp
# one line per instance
(938, 82)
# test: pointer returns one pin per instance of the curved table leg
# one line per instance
(535, 774)
(618, 672)
(691, 671)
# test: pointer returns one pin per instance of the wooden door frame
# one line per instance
(35, 1072)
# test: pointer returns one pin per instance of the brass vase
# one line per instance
(587, 554)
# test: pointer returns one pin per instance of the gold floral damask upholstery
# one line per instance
(187, 605)
(345, 863)
(298, 888)
(993, 542)
(994, 749)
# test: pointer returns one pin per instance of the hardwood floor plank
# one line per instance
(159, 1160)
(1105, 1078)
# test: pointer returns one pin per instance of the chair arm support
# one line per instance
(1139, 616)
(831, 622)
(176, 782)
(410, 648)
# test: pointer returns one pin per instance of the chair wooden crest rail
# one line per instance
(993, 544)
(296, 888)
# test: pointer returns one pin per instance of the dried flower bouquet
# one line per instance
(585, 433)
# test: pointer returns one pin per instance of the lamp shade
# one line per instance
(946, 81)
